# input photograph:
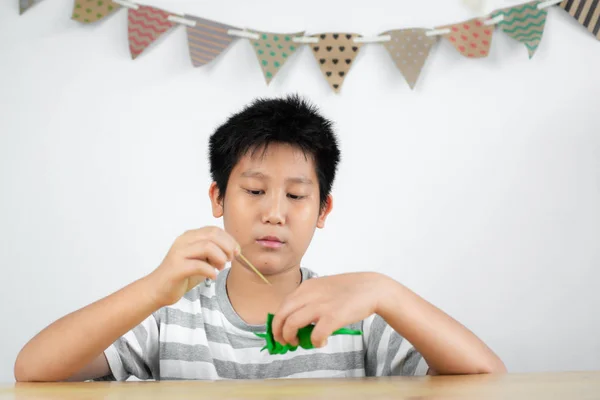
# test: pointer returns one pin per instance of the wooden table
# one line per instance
(546, 386)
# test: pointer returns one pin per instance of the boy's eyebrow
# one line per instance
(260, 175)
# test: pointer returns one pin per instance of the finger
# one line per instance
(290, 304)
(206, 251)
(323, 329)
(299, 319)
(217, 235)
(198, 270)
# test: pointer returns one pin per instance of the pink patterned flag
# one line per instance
(145, 25)
(471, 38)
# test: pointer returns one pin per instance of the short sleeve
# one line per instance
(135, 353)
(387, 353)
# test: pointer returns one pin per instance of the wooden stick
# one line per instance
(249, 264)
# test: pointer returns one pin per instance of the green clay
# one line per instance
(303, 338)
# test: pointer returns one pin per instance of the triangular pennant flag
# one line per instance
(586, 12)
(207, 40)
(524, 23)
(273, 50)
(24, 5)
(471, 38)
(335, 53)
(409, 49)
(88, 11)
(145, 25)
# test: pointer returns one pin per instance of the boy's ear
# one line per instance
(217, 205)
(325, 212)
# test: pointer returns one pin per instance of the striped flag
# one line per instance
(145, 25)
(587, 12)
(524, 23)
(207, 40)
(273, 50)
(24, 5)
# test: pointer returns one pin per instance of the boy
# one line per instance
(273, 165)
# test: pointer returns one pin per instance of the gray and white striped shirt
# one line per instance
(201, 337)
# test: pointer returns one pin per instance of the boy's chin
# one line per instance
(270, 263)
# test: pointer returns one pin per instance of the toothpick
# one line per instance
(248, 263)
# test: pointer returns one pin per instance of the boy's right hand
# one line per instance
(193, 257)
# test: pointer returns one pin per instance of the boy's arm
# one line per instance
(335, 301)
(72, 347)
(447, 346)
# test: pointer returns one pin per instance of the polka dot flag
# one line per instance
(409, 49)
(273, 50)
(89, 11)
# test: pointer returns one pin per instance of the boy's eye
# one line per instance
(254, 192)
(295, 196)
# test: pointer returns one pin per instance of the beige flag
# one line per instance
(409, 49)
(335, 53)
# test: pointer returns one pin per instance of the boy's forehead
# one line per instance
(276, 159)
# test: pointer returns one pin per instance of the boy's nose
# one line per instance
(274, 211)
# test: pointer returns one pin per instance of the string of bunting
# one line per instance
(335, 52)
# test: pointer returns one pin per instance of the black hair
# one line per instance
(290, 120)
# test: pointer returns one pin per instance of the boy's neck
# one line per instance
(252, 299)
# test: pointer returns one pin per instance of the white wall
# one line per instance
(480, 190)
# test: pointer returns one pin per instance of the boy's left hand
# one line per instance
(330, 302)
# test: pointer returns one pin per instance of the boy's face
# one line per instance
(271, 206)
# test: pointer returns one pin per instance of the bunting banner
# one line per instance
(586, 12)
(89, 11)
(207, 39)
(471, 38)
(145, 25)
(336, 52)
(273, 50)
(409, 49)
(524, 23)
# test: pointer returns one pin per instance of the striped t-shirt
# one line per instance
(201, 337)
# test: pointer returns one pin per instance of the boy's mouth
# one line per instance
(271, 242)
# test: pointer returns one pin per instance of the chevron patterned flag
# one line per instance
(587, 12)
(524, 23)
(24, 5)
(88, 11)
(145, 25)
(207, 40)
(273, 50)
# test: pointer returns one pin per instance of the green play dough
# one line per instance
(303, 338)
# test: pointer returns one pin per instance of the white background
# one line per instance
(480, 190)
